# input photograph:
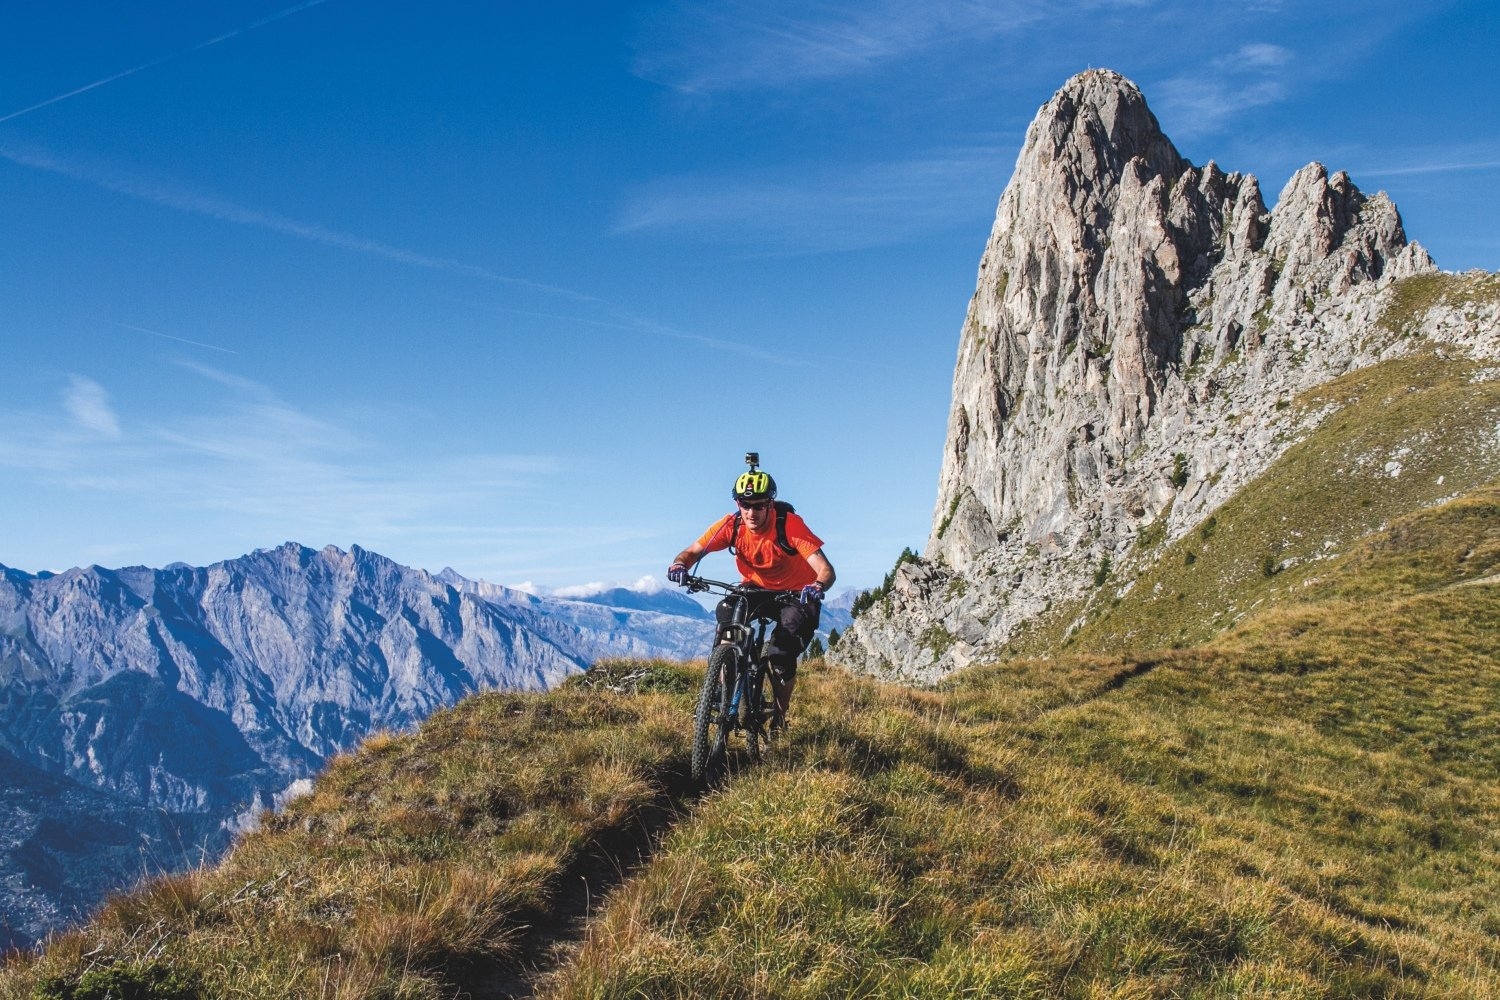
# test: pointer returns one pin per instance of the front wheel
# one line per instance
(712, 721)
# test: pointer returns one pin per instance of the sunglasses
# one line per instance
(746, 505)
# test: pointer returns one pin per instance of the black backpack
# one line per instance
(782, 510)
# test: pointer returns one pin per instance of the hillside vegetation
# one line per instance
(1302, 807)
(1394, 437)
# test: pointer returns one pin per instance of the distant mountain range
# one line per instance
(148, 714)
(667, 602)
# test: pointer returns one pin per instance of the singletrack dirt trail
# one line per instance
(551, 936)
(545, 937)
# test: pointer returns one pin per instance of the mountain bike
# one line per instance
(734, 695)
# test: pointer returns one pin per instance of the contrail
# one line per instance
(167, 58)
(1432, 168)
(171, 196)
(179, 199)
(168, 336)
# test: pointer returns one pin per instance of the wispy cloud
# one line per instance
(179, 198)
(809, 209)
(1205, 102)
(88, 404)
(1436, 167)
(254, 460)
(709, 46)
(712, 46)
(1252, 57)
(261, 22)
(168, 336)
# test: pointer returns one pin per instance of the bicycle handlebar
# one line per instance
(698, 584)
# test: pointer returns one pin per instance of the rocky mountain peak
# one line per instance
(1091, 130)
(1127, 304)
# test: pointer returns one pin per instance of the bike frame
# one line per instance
(740, 702)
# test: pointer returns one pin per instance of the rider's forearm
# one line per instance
(688, 557)
(823, 568)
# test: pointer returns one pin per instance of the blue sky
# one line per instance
(512, 287)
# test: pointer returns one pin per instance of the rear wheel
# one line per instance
(712, 722)
(758, 710)
(775, 721)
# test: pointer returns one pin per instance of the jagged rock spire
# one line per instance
(1115, 267)
(1084, 306)
(1079, 294)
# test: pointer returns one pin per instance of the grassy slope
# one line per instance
(1434, 415)
(1301, 808)
(417, 863)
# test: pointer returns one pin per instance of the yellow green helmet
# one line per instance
(753, 486)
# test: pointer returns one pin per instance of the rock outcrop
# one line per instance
(1138, 328)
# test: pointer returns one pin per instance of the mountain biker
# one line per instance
(760, 534)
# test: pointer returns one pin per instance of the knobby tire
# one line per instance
(711, 723)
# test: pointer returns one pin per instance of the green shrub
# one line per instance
(948, 518)
(870, 598)
(1179, 470)
(123, 982)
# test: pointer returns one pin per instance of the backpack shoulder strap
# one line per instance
(734, 533)
(782, 510)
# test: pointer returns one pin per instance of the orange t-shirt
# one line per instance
(761, 561)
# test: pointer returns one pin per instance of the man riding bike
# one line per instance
(775, 551)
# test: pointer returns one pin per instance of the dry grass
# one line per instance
(1403, 436)
(1413, 297)
(414, 866)
(1302, 808)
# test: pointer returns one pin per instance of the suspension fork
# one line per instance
(738, 632)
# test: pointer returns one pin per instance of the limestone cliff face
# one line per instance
(1131, 308)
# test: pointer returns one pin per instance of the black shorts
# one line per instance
(795, 626)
